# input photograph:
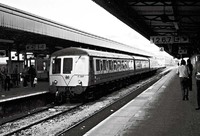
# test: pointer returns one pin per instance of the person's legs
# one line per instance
(190, 83)
(198, 93)
(182, 87)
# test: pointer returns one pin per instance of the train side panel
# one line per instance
(110, 69)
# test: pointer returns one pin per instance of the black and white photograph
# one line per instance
(99, 68)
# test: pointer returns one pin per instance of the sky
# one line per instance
(84, 15)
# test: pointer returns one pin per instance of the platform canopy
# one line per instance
(174, 25)
(20, 30)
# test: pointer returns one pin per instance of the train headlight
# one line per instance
(55, 82)
(80, 82)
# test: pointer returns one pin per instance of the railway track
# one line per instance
(15, 126)
(74, 119)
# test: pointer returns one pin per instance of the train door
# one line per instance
(91, 70)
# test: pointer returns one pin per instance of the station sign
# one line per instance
(168, 39)
(35, 47)
(182, 51)
(2, 53)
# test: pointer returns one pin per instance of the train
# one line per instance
(78, 72)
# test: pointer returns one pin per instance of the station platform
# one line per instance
(20, 92)
(158, 111)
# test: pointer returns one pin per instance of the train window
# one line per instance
(125, 64)
(138, 64)
(110, 65)
(119, 65)
(56, 66)
(67, 65)
(146, 64)
(98, 68)
(104, 65)
(130, 64)
(122, 65)
(116, 68)
(115, 64)
(107, 66)
(101, 65)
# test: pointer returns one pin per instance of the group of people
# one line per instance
(185, 72)
(28, 75)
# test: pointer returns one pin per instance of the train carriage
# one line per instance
(142, 64)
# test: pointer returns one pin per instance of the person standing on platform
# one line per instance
(32, 73)
(189, 65)
(7, 83)
(2, 78)
(183, 72)
(25, 76)
(197, 75)
(5, 79)
(16, 76)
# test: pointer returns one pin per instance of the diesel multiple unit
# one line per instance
(76, 72)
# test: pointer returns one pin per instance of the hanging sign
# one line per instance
(35, 47)
(182, 51)
(168, 39)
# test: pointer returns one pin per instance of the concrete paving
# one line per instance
(159, 111)
(18, 92)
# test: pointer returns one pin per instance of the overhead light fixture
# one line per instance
(58, 47)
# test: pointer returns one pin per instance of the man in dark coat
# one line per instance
(32, 73)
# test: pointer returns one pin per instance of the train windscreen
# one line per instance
(67, 65)
(56, 66)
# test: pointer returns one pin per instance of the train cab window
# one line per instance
(56, 66)
(67, 65)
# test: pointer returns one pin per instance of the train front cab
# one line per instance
(69, 75)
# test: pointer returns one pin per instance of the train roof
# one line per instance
(89, 52)
(140, 58)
